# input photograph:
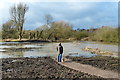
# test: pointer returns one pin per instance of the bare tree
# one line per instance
(18, 16)
(48, 19)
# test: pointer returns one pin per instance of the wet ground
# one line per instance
(103, 62)
(42, 67)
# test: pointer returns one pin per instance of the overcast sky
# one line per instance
(79, 14)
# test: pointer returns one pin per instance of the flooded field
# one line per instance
(26, 49)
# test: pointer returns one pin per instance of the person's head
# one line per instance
(60, 44)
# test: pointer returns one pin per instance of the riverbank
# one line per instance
(102, 42)
(35, 40)
(62, 40)
(103, 62)
(23, 40)
(100, 52)
(42, 67)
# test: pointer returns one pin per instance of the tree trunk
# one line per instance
(40, 34)
(30, 36)
(20, 33)
(37, 35)
(20, 36)
(50, 35)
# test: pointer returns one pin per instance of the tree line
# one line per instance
(52, 30)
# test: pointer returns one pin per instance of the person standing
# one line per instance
(60, 52)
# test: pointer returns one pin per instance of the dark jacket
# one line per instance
(60, 49)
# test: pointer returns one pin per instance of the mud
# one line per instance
(41, 67)
(103, 62)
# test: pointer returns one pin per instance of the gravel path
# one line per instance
(89, 69)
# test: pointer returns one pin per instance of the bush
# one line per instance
(106, 34)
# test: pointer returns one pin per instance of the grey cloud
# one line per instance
(80, 14)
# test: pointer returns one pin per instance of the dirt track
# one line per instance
(89, 69)
(44, 67)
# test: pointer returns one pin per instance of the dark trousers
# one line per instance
(59, 57)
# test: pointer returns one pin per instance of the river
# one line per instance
(49, 49)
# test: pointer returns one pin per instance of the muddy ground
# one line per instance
(42, 67)
(103, 62)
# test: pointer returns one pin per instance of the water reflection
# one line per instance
(12, 54)
(49, 49)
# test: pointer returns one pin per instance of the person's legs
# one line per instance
(58, 57)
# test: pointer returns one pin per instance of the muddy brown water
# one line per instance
(18, 49)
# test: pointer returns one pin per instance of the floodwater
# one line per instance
(49, 49)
